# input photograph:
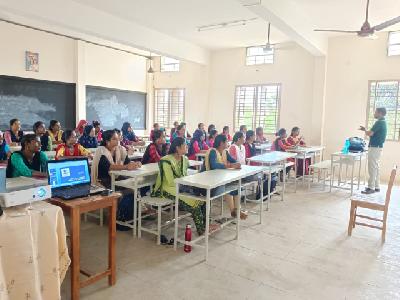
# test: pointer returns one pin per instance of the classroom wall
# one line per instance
(192, 77)
(67, 60)
(352, 62)
(293, 68)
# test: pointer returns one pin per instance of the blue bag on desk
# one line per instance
(356, 144)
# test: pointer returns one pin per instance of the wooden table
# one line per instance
(75, 208)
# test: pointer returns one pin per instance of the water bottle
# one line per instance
(188, 238)
(345, 149)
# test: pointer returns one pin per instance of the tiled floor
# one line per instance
(301, 251)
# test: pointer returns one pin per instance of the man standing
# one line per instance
(377, 136)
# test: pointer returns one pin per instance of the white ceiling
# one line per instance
(180, 18)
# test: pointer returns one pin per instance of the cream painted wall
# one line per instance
(56, 54)
(293, 68)
(352, 62)
(193, 78)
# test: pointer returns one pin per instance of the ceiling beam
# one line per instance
(72, 18)
(288, 17)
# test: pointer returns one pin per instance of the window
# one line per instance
(385, 94)
(169, 64)
(258, 106)
(169, 106)
(394, 43)
(259, 55)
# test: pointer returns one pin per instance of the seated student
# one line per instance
(197, 144)
(55, 132)
(108, 157)
(260, 138)
(80, 128)
(172, 166)
(225, 131)
(14, 135)
(202, 127)
(249, 144)
(129, 136)
(70, 147)
(40, 130)
(173, 129)
(156, 127)
(296, 140)
(243, 128)
(97, 130)
(89, 138)
(237, 149)
(30, 161)
(219, 158)
(128, 148)
(187, 134)
(5, 152)
(179, 132)
(210, 127)
(280, 144)
(156, 150)
(211, 137)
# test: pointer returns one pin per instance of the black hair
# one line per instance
(155, 124)
(238, 135)
(117, 130)
(294, 129)
(95, 123)
(219, 139)
(225, 128)
(52, 124)
(180, 127)
(183, 124)
(12, 121)
(199, 125)
(37, 125)
(210, 127)
(258, 130)
(381, 110)
(280, 132)
(242, 127)
(177, 142)
(107, 136)
(66, 135)
(27, 139)
(249, 134)
(212, 133)
(157, 134)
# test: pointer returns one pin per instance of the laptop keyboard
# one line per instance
(72, 192)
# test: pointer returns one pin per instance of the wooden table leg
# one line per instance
(111, 242)
(75, 249)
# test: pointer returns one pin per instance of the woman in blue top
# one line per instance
(5, 152)
(129, 136)
(219, 158)
(88, 139)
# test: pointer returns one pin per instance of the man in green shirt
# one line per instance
(377, 137)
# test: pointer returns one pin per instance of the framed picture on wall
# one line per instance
(31, 61)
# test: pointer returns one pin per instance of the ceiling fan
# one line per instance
(270, 46)
(366, 29)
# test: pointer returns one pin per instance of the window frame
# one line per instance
(397, 118)
(254, 121)
(169, 64)
(389, 44)
(264, 63)
(169, 122)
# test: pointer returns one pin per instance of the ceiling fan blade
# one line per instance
(366, 12)
(387, 24)
(334, 30)
(269, 32)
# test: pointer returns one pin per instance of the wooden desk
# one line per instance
(75, 208)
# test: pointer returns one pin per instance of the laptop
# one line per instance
(70, 178)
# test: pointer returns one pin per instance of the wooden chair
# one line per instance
(374, 202)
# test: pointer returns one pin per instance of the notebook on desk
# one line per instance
(70, 178)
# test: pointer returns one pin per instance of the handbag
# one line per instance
(356, 144)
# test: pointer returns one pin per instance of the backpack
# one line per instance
(356, 144)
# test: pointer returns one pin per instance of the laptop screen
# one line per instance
(67, 172)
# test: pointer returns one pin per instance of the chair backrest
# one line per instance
(390, 185)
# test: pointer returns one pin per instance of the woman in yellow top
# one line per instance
(70, 147)
(175, 165)
(55, 132)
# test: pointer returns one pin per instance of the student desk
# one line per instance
(275, 161)
(348, 159)
(75, 208)
(303, 154)
(263, 148)
(143, 177)
(231, 179)
(136, 155)
(200, 156)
